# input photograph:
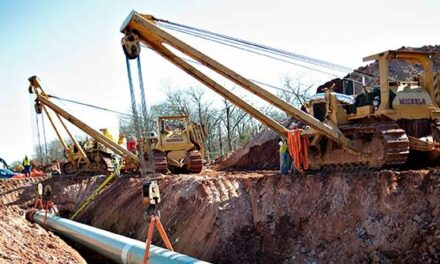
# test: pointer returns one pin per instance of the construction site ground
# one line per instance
(245, 217)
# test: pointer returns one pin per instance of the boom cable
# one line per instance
(247, 49)
(250, 79)
(247, 45)
(44, 136)
(92, 106)
(273, 50)
(39, 139)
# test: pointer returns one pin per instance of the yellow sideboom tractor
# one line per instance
(179, 146)
(379, 128)
(385, 124)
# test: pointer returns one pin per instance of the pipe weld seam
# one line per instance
(124, 253)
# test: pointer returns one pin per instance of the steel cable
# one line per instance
(256, 52)
(281, 52)
(136, 121)
(91, 106)
(144, 111)
(221, 38)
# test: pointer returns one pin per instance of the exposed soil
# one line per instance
(23, 242)
(261, 217)
(260, 153)
(256, 217)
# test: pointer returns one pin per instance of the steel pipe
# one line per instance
(113, 246)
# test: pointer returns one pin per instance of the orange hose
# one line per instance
(306, 144)
(298, 149)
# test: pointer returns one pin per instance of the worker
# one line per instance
(27, 166)
(285, 159)
(292, 169)
(115, 161)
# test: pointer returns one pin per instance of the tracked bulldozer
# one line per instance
(99, 157)
(386, 123)
(377, 129)
(179, 145)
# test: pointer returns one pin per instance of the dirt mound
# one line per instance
(398, 70)
(23, 242)
(261, 217)
(260, 153)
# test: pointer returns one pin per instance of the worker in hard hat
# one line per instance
(27, 166)
(285, 159)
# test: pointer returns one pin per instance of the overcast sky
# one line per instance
(74, 48)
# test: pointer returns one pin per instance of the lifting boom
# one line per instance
(142, 28)
(43, 99)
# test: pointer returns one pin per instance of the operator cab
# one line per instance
(316, 104)
(173, 130)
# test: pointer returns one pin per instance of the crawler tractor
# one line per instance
(90, 157)
(385, 123)
(179, 145)
(378, 129)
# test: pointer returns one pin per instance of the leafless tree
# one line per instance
(295, 91)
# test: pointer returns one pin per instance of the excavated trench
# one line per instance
(262, 217)
(39, 245)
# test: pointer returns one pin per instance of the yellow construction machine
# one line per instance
(92, 156)
(377, 129)
(99, 156)
(179, 146)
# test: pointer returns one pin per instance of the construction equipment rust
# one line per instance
(372, 131)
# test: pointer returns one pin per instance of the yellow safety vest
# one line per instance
(26, 162)
(283, 148)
